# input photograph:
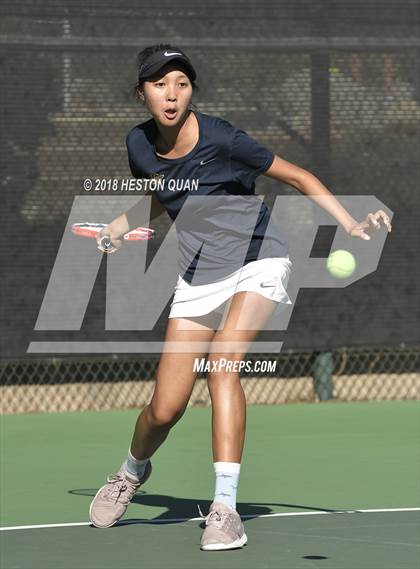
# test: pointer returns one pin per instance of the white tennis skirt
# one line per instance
(268, 277)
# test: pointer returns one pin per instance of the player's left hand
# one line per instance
(372, 221)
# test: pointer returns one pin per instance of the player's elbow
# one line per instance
(288, 173)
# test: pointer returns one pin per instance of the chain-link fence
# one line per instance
(77, 384)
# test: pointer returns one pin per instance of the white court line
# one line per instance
(169, 520)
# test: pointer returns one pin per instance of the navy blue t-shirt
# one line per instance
(210, 194)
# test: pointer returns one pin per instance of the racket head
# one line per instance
(140, 234)
(91, 230)
(87, 229)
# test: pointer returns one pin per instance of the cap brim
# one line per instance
(156, 67)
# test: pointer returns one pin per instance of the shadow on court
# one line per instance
(178, 510)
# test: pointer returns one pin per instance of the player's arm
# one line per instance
(135, 215)
(309, 185)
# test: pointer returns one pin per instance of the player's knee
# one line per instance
(226, 347)
(164, 417)
(224, 367)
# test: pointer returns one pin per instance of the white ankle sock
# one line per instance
(227, 478)
(135, 468)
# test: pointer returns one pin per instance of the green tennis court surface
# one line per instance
(304, 459)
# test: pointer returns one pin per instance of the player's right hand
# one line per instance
(116, 244)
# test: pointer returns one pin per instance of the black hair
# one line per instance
(144, 54)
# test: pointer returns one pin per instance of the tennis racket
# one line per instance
(92, 230)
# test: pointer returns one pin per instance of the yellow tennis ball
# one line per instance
(341, 264)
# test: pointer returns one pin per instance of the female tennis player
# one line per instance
(233, 272)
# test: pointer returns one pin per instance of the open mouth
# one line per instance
(170, 113)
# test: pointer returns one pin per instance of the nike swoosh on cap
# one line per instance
(168, 54)
(267, 284)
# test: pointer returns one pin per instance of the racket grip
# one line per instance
(105, 242)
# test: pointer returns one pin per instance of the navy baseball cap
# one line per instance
(157, 60)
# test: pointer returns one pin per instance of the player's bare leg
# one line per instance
(174, 384)
(247, 313)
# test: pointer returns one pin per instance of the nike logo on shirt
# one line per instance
(206, 161)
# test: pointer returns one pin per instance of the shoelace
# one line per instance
(119, 486)
(217, 518)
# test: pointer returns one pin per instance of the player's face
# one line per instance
(168, 95)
